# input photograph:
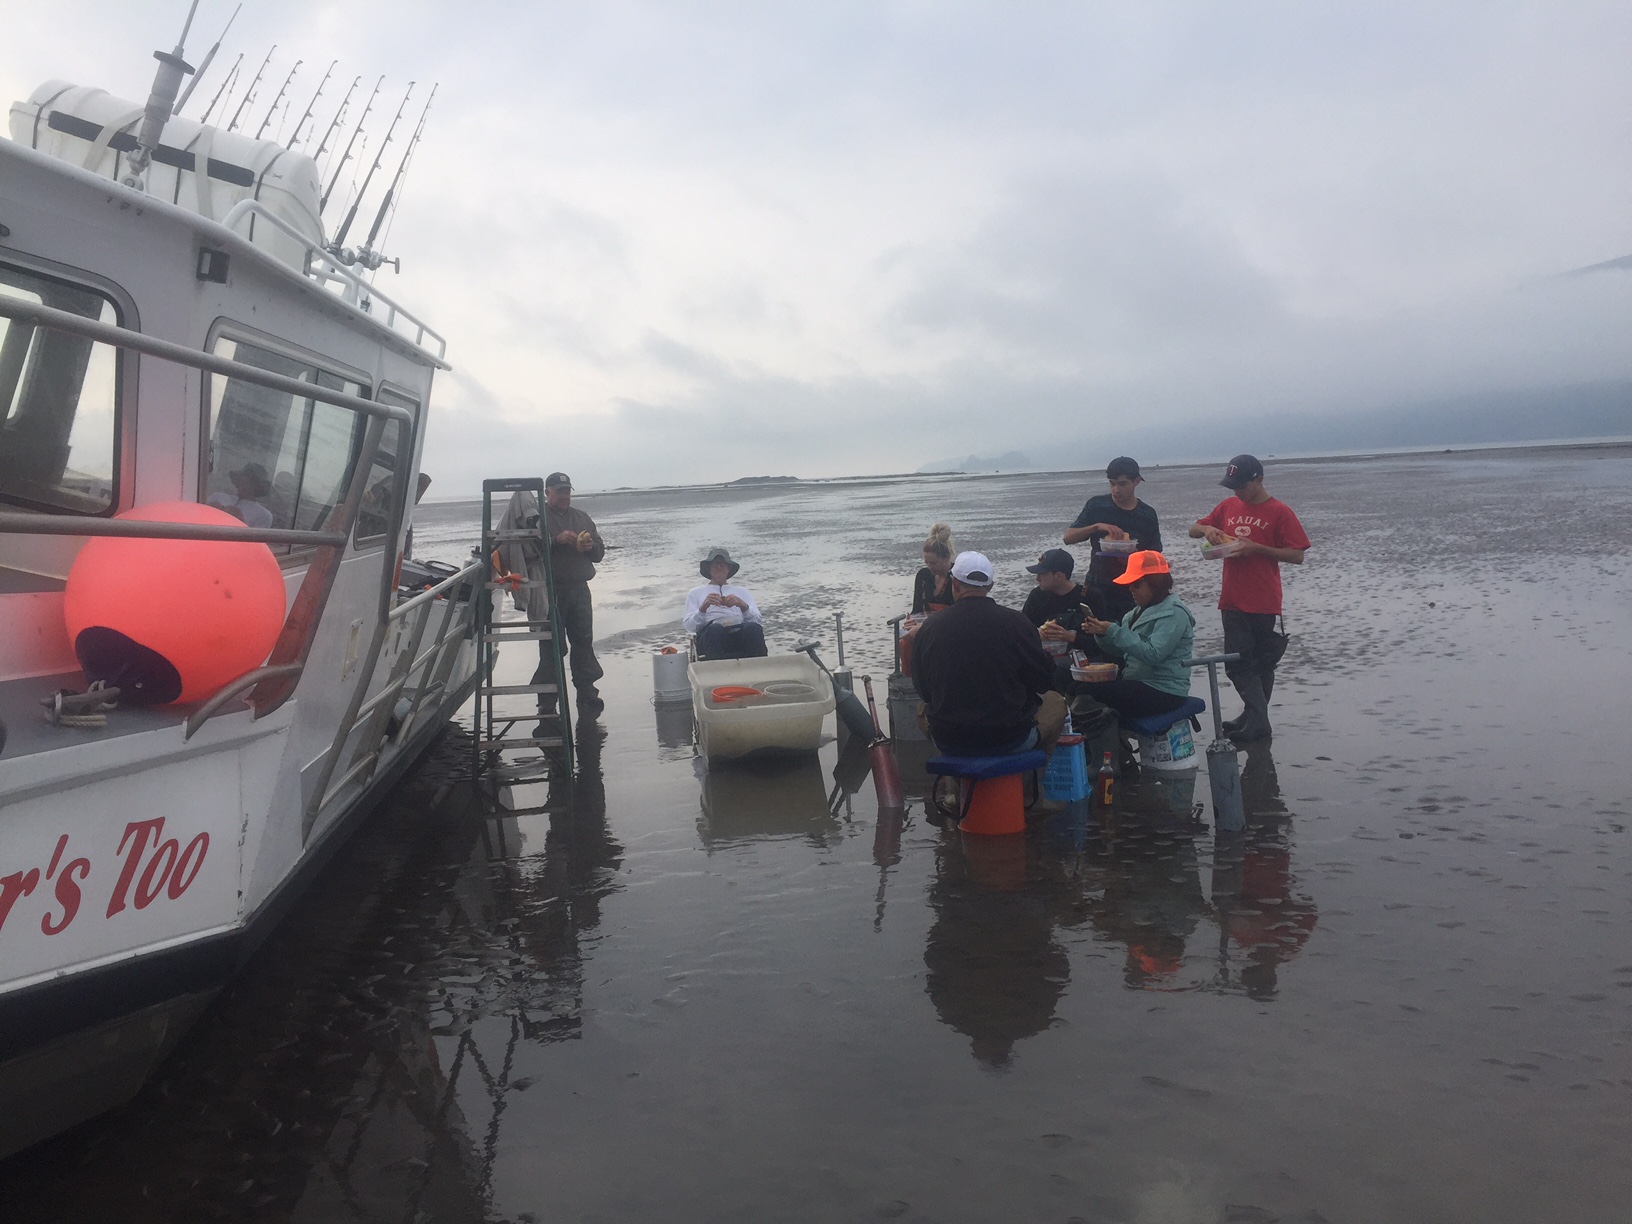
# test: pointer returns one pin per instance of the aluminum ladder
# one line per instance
(493, 727)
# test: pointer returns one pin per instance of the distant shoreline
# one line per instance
(753, 484)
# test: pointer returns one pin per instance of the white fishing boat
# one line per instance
(172, 318)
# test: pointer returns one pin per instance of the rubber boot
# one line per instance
(1254, 722)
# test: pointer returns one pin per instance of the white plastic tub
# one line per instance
(785, 721)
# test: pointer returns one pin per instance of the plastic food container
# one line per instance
(1056, 649)
(1217, 552)
(1094, 673)
(1118, 548)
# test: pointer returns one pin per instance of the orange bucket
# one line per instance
(997, 806)
(733, 692)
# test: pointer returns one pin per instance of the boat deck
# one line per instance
(28, 732)
(21, 582)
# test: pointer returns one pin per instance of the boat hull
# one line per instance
(77, 1044)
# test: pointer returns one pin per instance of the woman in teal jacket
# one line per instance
(1154, 641)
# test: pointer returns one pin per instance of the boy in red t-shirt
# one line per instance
(1266, 533)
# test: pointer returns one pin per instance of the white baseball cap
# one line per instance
(972, 569)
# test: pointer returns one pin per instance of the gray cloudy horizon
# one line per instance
(673, 243)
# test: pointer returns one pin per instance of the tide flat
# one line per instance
(680, 994)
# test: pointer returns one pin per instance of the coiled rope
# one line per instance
(87, 709)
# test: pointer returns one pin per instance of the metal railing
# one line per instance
(358, 291)
(432, 666)
(275, 682)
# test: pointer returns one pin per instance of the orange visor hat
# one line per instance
(1142, 565)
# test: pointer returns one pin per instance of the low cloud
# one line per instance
(675, 242)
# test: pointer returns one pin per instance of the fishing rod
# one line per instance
(209, 58)
(323, 202)
(273, 109)
(294, 137)
(379, 157)
(226, 87)
(249, 95)
(369, 256)
(161, 104)
(339, 116)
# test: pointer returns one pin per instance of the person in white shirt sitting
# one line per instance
(250, 485)
(721, 615)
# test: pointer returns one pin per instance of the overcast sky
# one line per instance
(677, 242)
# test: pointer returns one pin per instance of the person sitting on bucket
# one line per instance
(721, 615)
(1155, 640)
(983, 674)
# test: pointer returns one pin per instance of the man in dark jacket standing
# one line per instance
(575, 547)
(983, 674)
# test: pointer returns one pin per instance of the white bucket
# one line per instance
(1173, 750)
(669, 680)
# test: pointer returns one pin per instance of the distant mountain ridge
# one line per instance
(1584, 410)
(1011, 461)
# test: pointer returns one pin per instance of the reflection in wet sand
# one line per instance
(995, 969)
(1261, 908)
(774, 798)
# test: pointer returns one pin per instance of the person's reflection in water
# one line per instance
(1149, 899)
(996, 972)
(1253, 888)
(581, 861)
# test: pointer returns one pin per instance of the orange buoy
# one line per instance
(172, 620)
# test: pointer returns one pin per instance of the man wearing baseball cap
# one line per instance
(1263, 533)
(1055, 605)
(575, 547)
(982, 672)
(1118, 515)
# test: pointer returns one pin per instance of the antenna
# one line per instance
(249, 94)
(346, 156)
(369, 256)
(273, 109)
(294, 137)
(161, 101)
(226, 87)
(345, 226)
(339, 116)
(209, 58)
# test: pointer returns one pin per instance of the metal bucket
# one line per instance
(670, 685)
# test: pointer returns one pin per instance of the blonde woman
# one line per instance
(932, 588)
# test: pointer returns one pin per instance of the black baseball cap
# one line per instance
(1122, 466)
(1242, 471)
(1054, 561)
(558, 480)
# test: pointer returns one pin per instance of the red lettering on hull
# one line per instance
(141, 831)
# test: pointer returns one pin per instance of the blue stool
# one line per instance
(1163, 742)
(1001, 809)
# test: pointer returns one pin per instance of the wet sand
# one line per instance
(1404, 994)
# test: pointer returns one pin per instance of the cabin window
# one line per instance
(59, 397)
(278, 459)
(394, 456)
